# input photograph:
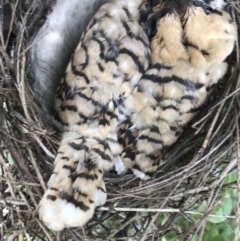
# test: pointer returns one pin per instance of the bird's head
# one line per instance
(177, 8)
(161, 8)
(189, 30)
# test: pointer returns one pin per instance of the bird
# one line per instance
(105, 67)
(190, 42)
(51, 46)
(139, 74)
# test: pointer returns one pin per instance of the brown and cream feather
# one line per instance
(120, 103)
(106, 66)
(189, 46)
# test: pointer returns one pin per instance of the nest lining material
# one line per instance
(193, 171)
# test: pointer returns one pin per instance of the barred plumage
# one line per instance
(106, 66)
(120, 104)
(189, 46)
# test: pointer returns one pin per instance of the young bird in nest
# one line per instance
(115, 109)
(106, 66)
(190, 42)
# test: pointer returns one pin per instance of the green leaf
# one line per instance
(231, 177)
(9, 158)
(170, 237)
(163, 218)
(218, 238)
(131, 231)
(224, 209)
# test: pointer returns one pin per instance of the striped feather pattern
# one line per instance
(188, 59)
(120, 103)
(106, 66)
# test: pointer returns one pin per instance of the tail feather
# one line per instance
(100, 195)
(75, 188)
(60, 209)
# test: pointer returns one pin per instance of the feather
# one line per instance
(53, 44)
(114, 50)
(189, 48)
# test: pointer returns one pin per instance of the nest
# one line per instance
(194, 169)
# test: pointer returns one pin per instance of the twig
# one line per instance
(25, 200)
(223, 120)
(237, 221)
(11, 24)
(75, 237)
(20, 183)
(12, 201)
(13, 236)
(43, 147)
(44, 230)
(15, 139)
(149, 225)
(161, 210)
(224, 173)
(210, 130)
(36, 169)
(21, 82)
(227, 97)
(21, 163)
(185, 234)
(122, 227)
